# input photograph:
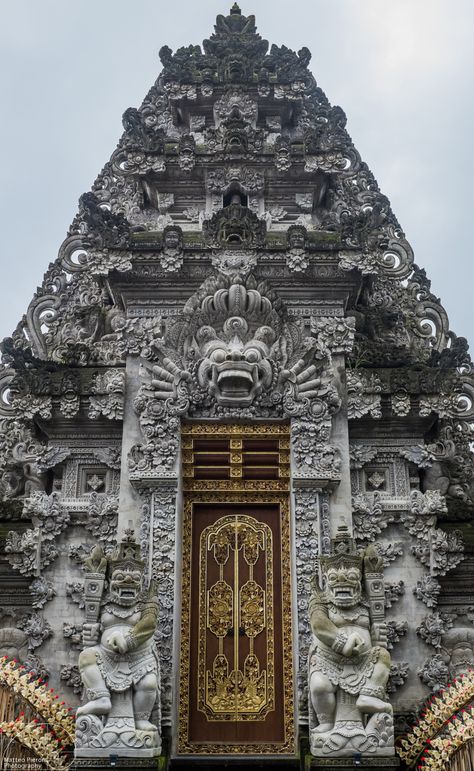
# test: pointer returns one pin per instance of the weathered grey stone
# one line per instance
(235, 261)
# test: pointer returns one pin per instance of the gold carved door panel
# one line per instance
(236, 667)
(236, 670)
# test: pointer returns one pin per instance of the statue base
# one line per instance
(110, 762)
(354, 761)
(116, 735)
(350, 735)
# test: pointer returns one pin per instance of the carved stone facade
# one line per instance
(236, 262)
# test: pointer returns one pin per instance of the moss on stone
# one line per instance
(323, 236)
(192, 238)
(11, 509)
(146, 235)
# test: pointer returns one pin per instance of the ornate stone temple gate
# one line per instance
(235, 466)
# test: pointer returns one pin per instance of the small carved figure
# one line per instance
(348, 663)
(458, 650)
(119, 664)
(235, 227)
(24, 480)
(283, 153)
(13, 643)
(12, 484)
(172, 253)
(187, 152)
(297, 258)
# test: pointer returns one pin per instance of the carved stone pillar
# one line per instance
(308, 545)
(341, 497)
(129, 498)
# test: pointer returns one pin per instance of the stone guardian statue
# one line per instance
(348, 661)
(119, 663)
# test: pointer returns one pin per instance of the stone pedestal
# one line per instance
(112, 762)
(118, 736)
(349, 735)
(354, 762)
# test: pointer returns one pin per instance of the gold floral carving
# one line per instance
(252, 609)
(220, 600)
(237, 485)
(227, 693)
(196, 428)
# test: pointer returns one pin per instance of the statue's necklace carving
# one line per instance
(117, 610)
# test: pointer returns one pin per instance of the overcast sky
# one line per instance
(403, 71)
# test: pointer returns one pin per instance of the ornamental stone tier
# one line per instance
(236, 476)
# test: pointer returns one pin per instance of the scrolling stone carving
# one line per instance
(435, 548)
(70, 675)
(393, 592)
(434, 626)
(398, 675)
(42, 591)
(307, 549)
(369, 517)
(363, 395)
(157, 527)
(427, 590)
(27, 553)
(107, 394)
(434, 672)
(349, 662)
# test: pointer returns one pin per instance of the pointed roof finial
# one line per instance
(235, 9)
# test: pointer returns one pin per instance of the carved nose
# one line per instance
(234, 356)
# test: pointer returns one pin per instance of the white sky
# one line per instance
(403, 71)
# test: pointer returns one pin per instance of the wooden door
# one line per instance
(236, 669)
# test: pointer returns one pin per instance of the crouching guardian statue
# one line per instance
(348, 662)
(119, 663)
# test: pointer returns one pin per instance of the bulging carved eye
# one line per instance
(218, 355)
(353, 575)
(252, 355)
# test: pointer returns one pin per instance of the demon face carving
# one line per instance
(235, 365)
(233, 348)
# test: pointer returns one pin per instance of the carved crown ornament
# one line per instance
(235, 53)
